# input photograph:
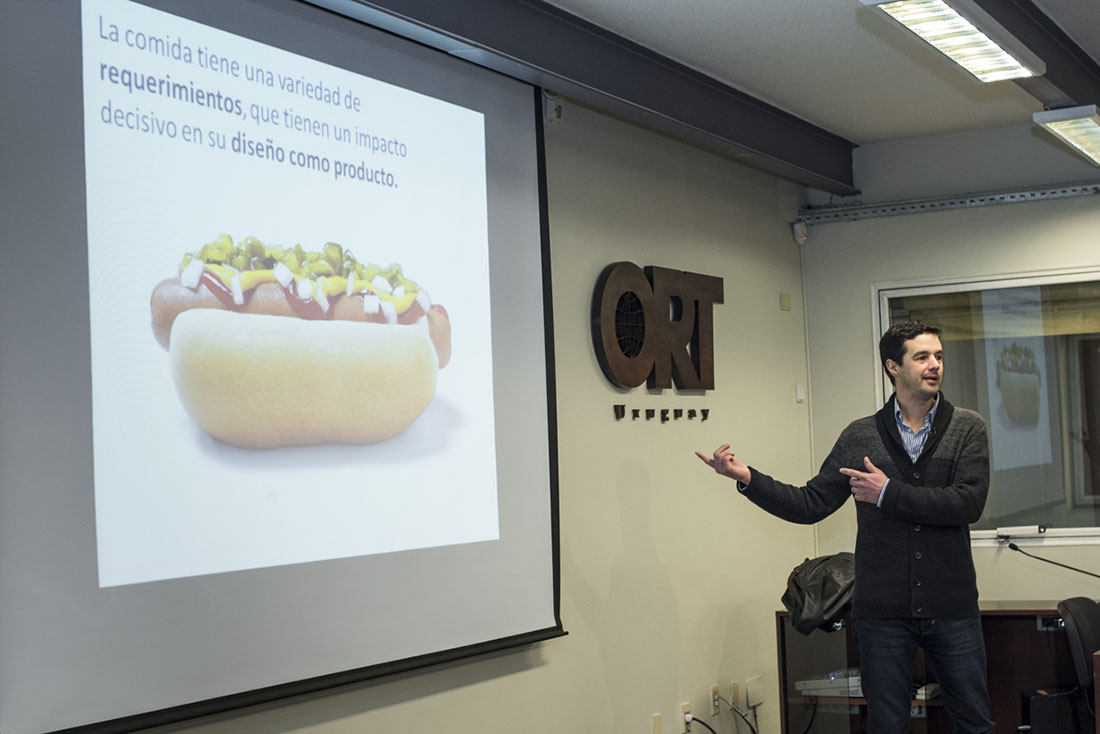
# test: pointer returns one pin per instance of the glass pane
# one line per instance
(819, 675)
(1028, 359)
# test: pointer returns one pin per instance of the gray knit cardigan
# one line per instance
(913, 554)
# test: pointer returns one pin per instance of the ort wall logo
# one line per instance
(655, 326)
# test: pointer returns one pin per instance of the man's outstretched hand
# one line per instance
(722, 461)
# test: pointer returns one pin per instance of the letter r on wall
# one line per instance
(685, 352)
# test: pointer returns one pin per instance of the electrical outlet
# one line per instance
(685, 709)
(1049, 624)
(754, 691)
(735, 693)
(714, 694)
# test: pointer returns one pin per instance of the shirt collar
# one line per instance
(928, 418)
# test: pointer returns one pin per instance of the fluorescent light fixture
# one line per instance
(967, 35)
(1078, 126)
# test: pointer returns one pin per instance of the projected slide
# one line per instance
(1018, 391)
(289, 306)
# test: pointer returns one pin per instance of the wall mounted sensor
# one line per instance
(799, 232)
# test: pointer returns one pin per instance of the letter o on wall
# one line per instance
(622, 304)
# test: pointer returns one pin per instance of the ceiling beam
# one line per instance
(547, 47)
(1072, 77)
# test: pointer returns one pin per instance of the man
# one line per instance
(919, 473)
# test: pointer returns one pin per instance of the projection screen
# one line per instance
(276, 391)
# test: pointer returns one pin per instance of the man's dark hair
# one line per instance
(892, 343)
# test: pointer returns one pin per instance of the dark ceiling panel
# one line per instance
(553, 49)
(1072, 77)
(550, 48)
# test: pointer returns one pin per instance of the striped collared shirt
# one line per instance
(914, 441)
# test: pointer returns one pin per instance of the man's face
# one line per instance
(921, 370)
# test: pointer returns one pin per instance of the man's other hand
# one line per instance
(866, 486)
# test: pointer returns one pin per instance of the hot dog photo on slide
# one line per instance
(290, 299)
(271, 345)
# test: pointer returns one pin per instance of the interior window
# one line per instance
(1026, 355)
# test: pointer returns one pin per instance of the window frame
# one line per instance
(883, 292)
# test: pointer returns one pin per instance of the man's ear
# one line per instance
(892, 367)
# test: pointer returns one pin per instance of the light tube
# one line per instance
(1078, 126)
(967, 35)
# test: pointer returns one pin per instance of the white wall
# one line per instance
(844, 260)
(670, 580)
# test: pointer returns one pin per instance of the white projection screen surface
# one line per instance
(276, 396)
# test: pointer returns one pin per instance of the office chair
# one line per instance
(1082, 619)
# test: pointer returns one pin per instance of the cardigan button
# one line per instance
(916, 475)
(916, 528)
(917, 583)
(918, 609)
(917, 555)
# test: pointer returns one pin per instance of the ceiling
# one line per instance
(838, 64)
(787, 86)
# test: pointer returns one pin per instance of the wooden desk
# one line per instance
(1020, 657)
(1025, 650)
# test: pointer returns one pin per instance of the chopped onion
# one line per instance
(390, 312)
(380, 285)
(192, 273)
(305, 288)
(371, 304)
(238, 292)
(399, 291)
(351, 284)
(320, 296)
(423, 300)
(282, 274)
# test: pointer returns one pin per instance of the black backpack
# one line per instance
(818, 590)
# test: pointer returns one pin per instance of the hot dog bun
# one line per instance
(261, 381)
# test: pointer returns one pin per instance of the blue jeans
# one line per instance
(953, 650)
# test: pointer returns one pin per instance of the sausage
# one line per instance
(171, 297)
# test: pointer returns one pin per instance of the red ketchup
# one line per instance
(306, 308)
(412, 314)
(214, 284)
